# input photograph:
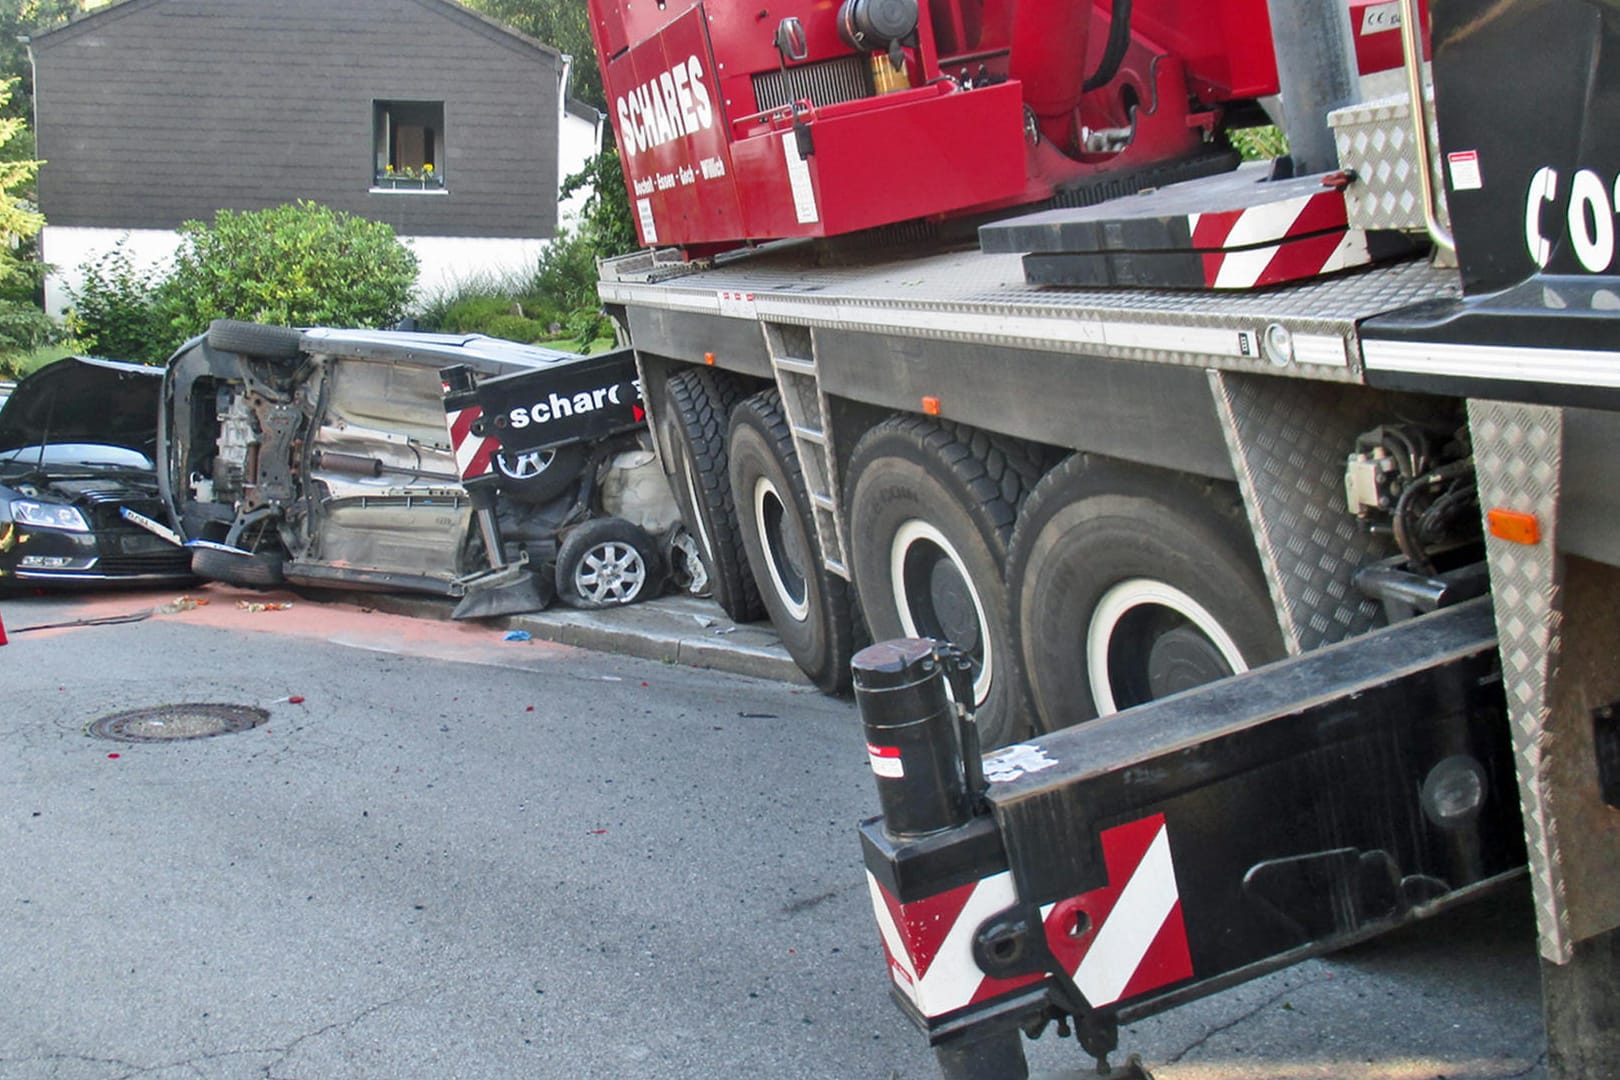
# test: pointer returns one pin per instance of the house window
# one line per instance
(408, 145)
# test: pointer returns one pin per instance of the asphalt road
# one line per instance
(459, 857)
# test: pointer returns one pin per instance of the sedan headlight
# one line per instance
(43, 515)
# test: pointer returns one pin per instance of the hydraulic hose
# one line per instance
(1119, 38)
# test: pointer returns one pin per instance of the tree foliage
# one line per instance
(21, 19)
(23, 326)
(562, 24)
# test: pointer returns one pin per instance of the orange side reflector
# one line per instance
(931, 406)
(1514, 526)
(708, 358)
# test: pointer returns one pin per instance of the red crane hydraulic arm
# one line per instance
(750, 122)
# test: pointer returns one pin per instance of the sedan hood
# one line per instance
(84, 400)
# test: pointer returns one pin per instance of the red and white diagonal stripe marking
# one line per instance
(1283, 241)
(1136, 940)
(1320, 211)
(1294, 260)
(474, 454)
(930, 943)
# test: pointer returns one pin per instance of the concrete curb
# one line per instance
(673, 630)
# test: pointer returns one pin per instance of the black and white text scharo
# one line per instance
(557, 406)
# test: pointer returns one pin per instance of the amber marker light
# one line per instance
(931, 406)
(708, 358)
(1514, 526)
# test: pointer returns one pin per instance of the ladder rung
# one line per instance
(794, 364)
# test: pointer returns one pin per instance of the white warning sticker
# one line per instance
(804, 189)
(1465, 174)
(649, 230)
(886, 761)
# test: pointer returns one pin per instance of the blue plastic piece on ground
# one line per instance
(518, 635)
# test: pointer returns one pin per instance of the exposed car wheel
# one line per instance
(931, 510)
(1131, 584)
(538, 476)
(608, 562)
(810, 607)
(255, 339)
(255, 570)
(692, 428)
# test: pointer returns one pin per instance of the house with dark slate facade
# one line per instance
(422, 113)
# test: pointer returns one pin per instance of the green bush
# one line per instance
(115, 311)
(558, 299)
(517, 328)
(1258, 143)
(302, 264)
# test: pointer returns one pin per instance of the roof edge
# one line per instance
(474, 20)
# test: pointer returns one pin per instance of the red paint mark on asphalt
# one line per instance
(340, 624)
(598, 832)
(529, 709)
(115, 756)
(295, 700)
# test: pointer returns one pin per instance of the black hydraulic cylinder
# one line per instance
(912, 736)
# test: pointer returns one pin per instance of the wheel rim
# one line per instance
(525, 466)
(612, 572)
(686, 564)
(784, 547)
(1148, 639)
(935, 598)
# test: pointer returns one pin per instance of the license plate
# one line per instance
(153, 527)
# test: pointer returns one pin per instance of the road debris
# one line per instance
(518, 635)
(256, 606)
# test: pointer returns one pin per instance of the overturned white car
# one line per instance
(326, 457)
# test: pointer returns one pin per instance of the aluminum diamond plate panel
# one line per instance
(1375, 141)
(1518, 452)
(971, 296)
(1289, 440)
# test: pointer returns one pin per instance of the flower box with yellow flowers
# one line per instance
(426, 178)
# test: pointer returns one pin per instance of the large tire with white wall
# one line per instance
(931, 512)
(1129, 584)
(692, 427)
(810, 607)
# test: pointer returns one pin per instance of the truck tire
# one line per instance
(250, 569)
(692, 429)
(810, 607)
(538, 476)
(1131, 584)
(931, 511)
(608, 562)
(256, 339)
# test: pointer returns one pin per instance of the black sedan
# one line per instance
(77, 475)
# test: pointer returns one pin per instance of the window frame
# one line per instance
(388, 176)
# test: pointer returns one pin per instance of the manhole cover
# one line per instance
(167, 723)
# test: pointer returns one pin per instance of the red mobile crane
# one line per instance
(1266, 512)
